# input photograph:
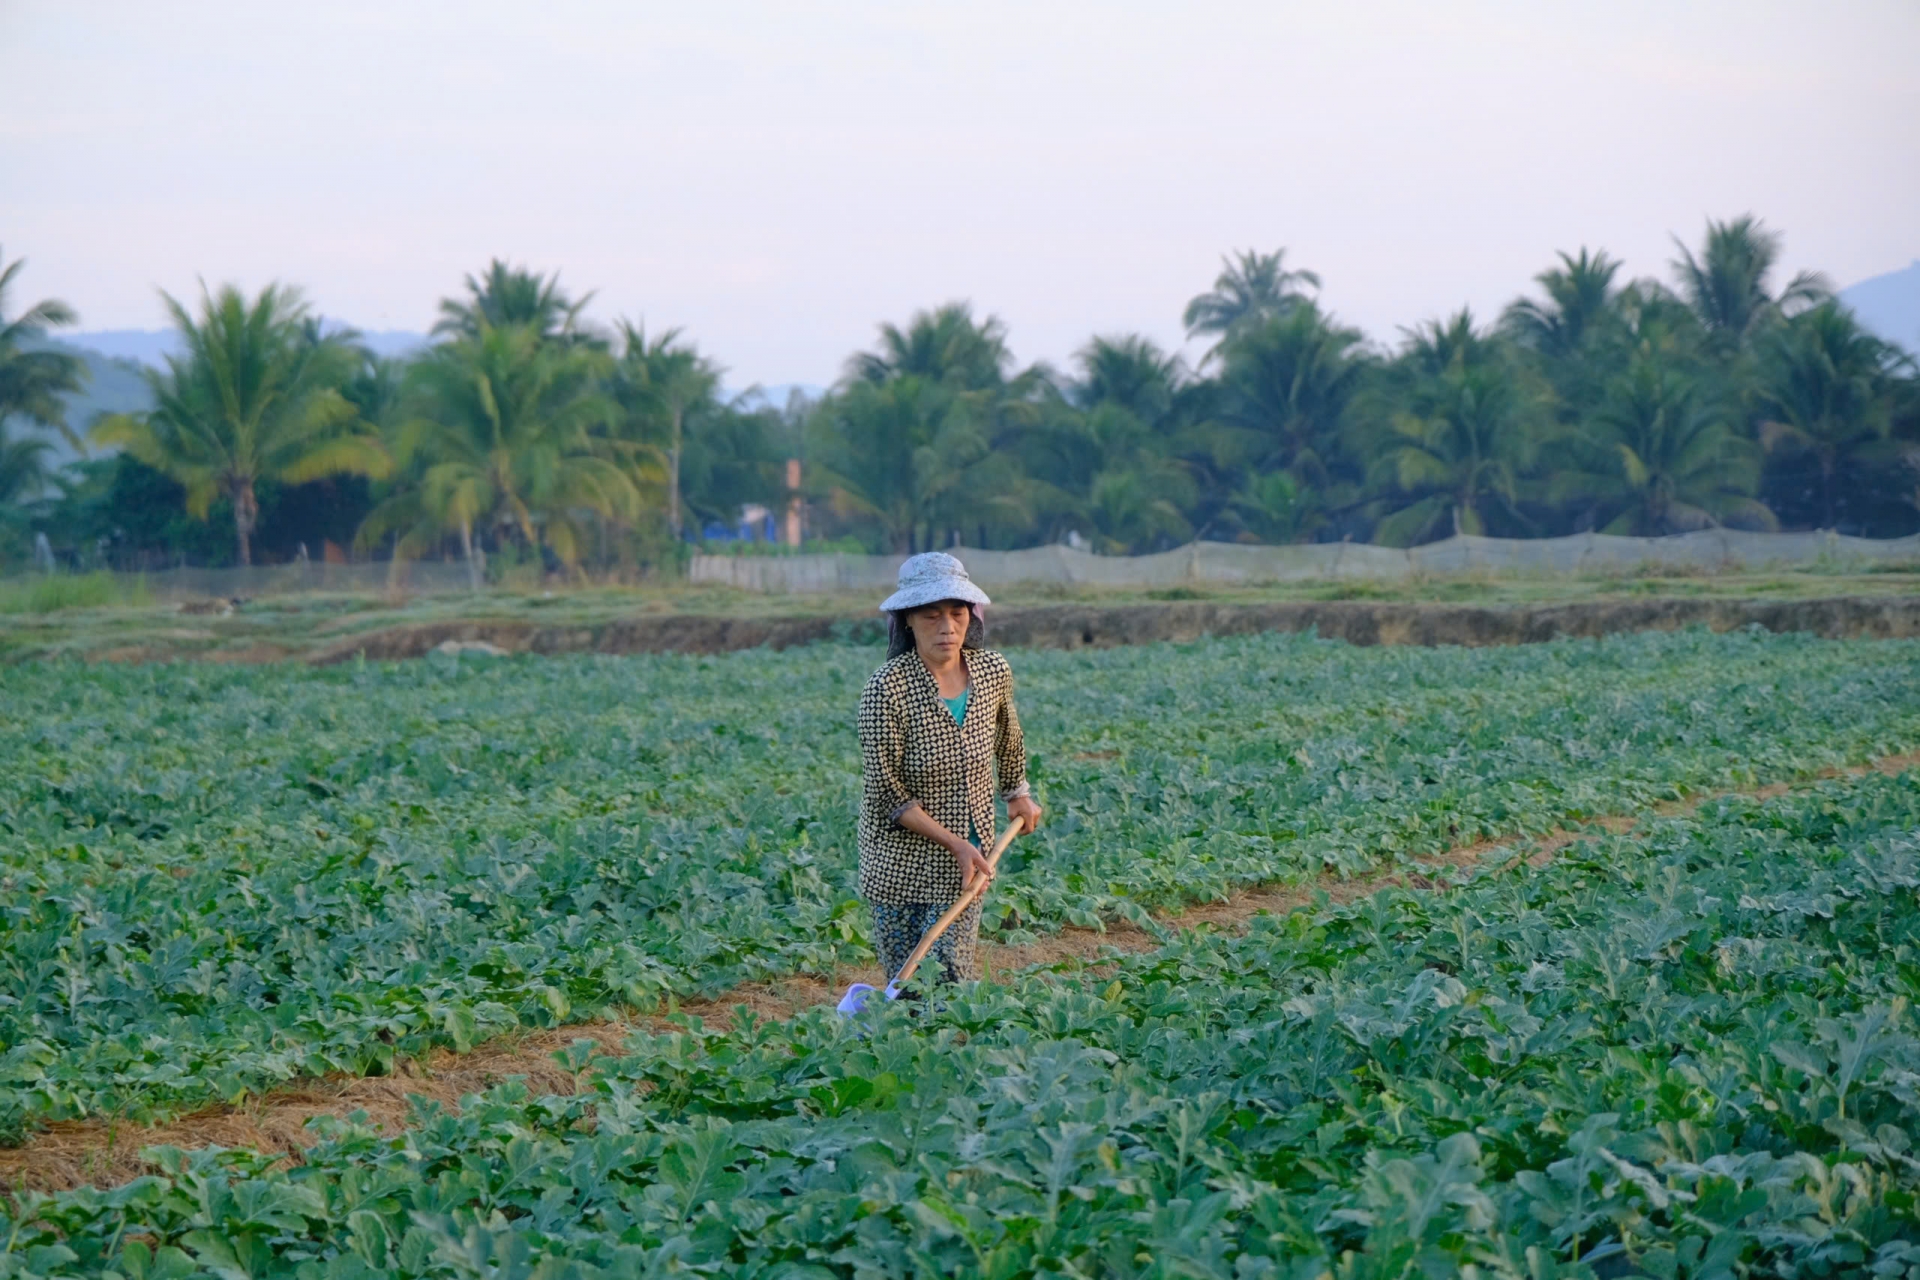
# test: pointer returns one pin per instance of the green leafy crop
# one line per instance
(1688, 1053)
(218, 879)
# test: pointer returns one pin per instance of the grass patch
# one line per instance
(1361, 589)
(58, 591)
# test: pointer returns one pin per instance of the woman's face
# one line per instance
(939, 628)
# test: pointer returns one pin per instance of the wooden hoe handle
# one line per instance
(967, 899)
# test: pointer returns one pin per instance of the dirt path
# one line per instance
(105, 1153)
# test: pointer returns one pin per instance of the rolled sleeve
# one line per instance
(1010, 750)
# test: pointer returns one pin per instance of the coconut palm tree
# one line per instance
(1129, 371)
(1825, 388)
(969, 477)
(1288, 382)
(1252, 287)
(945, 345)
(32, 380)
(255, 396)
(507, 295)
(1579, 292)
(24, 469)
(1136, 486)
(24, 476)
(1272, 508)
(1115, 418)
(658, 382)
(1458, 457)
(1135, 507)
(1727, 285)
(982, 416)
(375, 390)
(873, 445)
(1663, 456)
(917, 457)
(498, 431)
(1434, 347)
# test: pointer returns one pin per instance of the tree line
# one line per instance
(523, 434)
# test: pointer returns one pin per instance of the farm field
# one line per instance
(219, 879)
(1685, 1052)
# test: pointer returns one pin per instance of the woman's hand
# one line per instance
(972, 862)
(1024, 808)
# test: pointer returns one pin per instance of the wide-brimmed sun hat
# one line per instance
(929, 578)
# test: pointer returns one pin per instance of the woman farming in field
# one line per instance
(938, 737)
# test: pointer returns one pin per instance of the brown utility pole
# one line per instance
(793, 502)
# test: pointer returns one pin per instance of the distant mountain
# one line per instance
(153, 346)
(1889, 305)
(776, 395)
(142, 346)
(115, 359)
(392, 342)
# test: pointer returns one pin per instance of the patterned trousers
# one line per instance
(897, 930)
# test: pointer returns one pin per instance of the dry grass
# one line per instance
(107, 1153)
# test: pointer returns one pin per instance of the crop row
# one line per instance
(1688, 1052)
(219, 879)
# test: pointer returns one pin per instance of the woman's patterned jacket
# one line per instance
(911, 751)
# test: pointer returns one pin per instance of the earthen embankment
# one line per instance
(1070, 626)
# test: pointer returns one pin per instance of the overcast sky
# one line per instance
(778, 177)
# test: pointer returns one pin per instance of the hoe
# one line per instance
(856, 997)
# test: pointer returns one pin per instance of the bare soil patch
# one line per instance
(107, 1153)
(248, 654)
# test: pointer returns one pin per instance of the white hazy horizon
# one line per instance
(778, 179)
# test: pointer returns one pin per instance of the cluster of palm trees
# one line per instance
(1634, 407)
(1600, 404)
(518, 427)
